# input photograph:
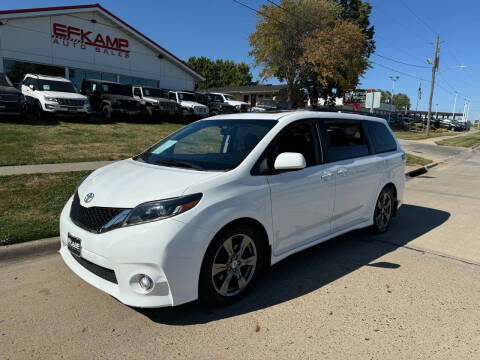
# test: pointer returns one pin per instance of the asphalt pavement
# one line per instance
(411, 293)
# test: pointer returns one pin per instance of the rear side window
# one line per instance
(345, 140)
(381, 137)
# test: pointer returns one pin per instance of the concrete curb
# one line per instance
(422, 169)
(29, 249)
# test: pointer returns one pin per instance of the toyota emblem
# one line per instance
(89, 197)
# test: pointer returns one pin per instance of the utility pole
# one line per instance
(436, 111)
(454, 104)
(432, 85)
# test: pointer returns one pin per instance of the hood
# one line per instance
(150, 98)
(236, 102)
(64, 95)
(119, 97)
(128, 183)
(9, 90)
(190, 103)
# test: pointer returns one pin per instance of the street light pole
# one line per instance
(393, 78)
(432, 85)
(454, 104)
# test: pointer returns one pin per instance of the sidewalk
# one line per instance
(51, 168)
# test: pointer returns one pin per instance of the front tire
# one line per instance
(38, 111)
(107, 112)
(231, 265)
(384, 210)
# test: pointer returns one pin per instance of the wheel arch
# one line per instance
(257, 225)
(392, 186)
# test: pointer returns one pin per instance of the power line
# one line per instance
(418, 17)
(258, 12)
(401, 62)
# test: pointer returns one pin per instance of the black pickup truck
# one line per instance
(11, 99)
(111, 98)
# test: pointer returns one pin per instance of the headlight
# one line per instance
(157, 210)
(238, 107)
(52, 99)
(86, 102)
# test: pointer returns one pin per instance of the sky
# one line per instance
(405, 31)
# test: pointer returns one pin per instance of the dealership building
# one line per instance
(86, 41)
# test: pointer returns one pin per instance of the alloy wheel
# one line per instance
(383, 210)
(234, 265)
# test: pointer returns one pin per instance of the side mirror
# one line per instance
(31, 86)
(290, 161)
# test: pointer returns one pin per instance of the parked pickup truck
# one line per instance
(156, 101)
(111, 98)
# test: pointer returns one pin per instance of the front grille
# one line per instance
(94, 218)
(168, 106)
(102, 272)
(70, 102)
(8, 97)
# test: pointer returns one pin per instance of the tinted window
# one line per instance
(61, 86)
(137, 92)
(381, 137)
(209, 144)
(299, 138)
(345, 139)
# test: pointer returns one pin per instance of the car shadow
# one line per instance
(313, 268)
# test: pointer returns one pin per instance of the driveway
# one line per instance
(431, 151)
(411, 293)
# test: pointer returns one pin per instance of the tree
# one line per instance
(221, 72)
(287, 37)
(401, 100)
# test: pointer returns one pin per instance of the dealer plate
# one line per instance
(74, 245)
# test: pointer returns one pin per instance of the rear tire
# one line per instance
(384, 210)
(231, 265)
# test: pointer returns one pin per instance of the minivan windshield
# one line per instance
(210, 145)
(60, 86)
(4, 80)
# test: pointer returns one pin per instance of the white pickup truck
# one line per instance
(191, 108)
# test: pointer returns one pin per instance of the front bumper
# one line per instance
(168, 251)
(11, 107)
(56, 108)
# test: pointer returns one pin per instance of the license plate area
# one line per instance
(74, 244)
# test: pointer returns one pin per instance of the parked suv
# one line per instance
(50, 95)
(216, 104)
(190, 106)
(241, 106)
(201, 213)
(11, 99)
(156, 101)
(111, 98)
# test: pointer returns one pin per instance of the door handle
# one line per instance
(326, 175)
(342, 172)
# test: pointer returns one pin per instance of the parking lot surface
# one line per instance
(411, 293)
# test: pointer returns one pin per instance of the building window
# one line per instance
(15, 70)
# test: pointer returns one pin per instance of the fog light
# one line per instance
(146, 282)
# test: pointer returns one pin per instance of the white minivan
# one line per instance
(201, 213)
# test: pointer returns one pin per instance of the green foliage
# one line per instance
(400, 100)
(221, 72)
(290, 44)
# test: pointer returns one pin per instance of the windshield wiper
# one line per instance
(184, 164)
